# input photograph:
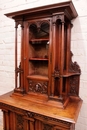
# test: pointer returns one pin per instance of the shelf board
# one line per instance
(68, 74)
(38, 41)
(38, 59)
(38, 77)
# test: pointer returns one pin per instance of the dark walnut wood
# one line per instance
(46, 93)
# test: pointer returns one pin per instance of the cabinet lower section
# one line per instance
(20, 113)
(18, 119)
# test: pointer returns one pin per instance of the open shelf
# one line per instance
(68, 74)
(38, 59)
(38, 77)
(39, 41)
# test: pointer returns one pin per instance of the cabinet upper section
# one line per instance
(66, 8)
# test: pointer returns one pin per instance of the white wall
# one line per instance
(79, 47)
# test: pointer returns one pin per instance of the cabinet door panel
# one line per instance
(26, 125)
(19, 122)
(32, 127)
(38, 125)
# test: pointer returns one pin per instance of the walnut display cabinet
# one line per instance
(46, 93)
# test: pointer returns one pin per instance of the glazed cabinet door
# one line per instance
(38, 52)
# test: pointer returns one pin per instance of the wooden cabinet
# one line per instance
(46, 93)
(20, 114)
(25, 120)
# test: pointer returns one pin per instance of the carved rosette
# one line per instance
(38, 86)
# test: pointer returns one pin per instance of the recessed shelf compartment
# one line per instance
(38, 67)
(39, 51)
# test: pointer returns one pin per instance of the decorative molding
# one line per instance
(46, 118)
(30, 114)
(19, 23)
(56, 74)
(61, 17)
(56, 17)
(74, 85)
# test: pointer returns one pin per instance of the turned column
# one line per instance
(19, 81)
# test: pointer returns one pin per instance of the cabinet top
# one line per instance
(69, 114)
(66, 8)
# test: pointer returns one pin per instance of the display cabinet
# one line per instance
(46, 93)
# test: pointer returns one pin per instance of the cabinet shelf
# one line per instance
(38, 77)
(38, 59)
(39, 41)
(68, 74)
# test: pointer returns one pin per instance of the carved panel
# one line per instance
(38, 86)
(47, 127)
(74, 67)
(19, 124)
(74, 85)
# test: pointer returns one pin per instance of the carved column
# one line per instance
(61, 58)
(19, 69)
(54, 54)
(16, 26)
(68, 46)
